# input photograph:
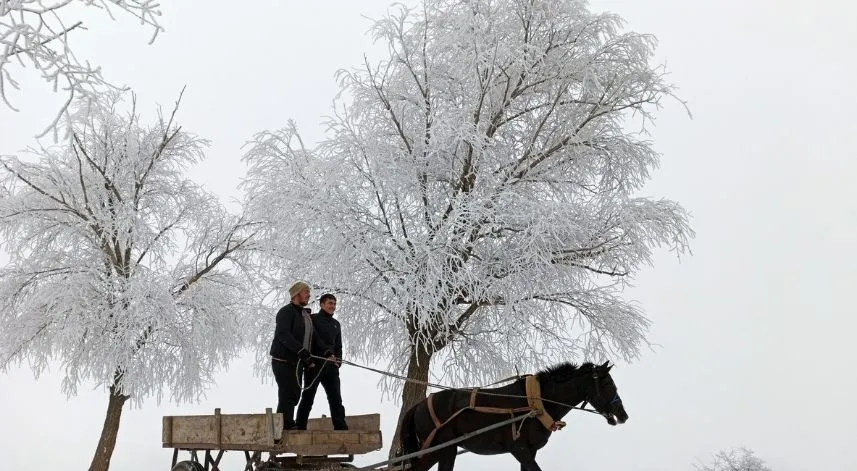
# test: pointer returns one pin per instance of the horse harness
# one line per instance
(534, 404)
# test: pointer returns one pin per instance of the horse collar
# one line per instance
(534, 400)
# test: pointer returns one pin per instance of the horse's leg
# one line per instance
(527, 457)
(446, 458)
(425, 462)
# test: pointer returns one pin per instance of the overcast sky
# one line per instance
(753, 330)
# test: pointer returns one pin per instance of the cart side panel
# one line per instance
(235, 429)
(189, 429)
(321, 442)
(305, 443)
(362, 423)
(245, 429)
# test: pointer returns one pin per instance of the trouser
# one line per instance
(329, 380)
(288, 390)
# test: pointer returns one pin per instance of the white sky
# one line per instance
(753, 330)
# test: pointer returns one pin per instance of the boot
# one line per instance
(339, 419)
(303, 415)
(289, 418)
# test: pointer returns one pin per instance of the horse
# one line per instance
(540, 400)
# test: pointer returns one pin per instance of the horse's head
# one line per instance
(604, 395)
(568, 384)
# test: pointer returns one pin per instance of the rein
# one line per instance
(441, 386)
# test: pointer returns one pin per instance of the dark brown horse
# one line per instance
(461, 411)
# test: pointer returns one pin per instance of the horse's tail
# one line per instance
(408, 435)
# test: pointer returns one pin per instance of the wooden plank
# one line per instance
(218, 428)
(335, 442)
(332, 449)
(364, 422)
(301, 443)
(232, 429)
(269, 426)
(255, 432)
(193, 429)
(328, 462)
(322, 442)
(167, 430)
(246, 429)
(296, 437)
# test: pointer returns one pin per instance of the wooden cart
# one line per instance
(208, 437)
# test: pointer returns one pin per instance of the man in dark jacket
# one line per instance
(294, 339)
(325, 373)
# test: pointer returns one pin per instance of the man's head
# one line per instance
(299, 293)
(328, 303)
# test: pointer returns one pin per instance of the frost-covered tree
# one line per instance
(476, 200)
(36, 32)
(741, 459)
(122, 271)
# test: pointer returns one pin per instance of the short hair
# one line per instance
(326, 296)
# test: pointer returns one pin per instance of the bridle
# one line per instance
(616, 398)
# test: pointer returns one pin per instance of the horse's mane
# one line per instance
(563, 371)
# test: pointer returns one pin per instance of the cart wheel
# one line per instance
(188, 466)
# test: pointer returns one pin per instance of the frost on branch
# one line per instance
(477, 196)
(37, 32)
(741, 459)
(122, 270)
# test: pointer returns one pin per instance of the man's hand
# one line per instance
(304, 354)
(329, 356)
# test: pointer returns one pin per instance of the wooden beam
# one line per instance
(304, 442)
(167, 431)
(218, 427)
(363, 422)
(269, 420)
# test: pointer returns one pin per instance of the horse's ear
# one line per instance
(606, 364)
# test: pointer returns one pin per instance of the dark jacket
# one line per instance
(330, 333)
(289, 335)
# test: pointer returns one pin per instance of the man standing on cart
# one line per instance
(294, 339)
(325, 373)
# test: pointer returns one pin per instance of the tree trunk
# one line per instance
(412, 392)
(107, 442)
